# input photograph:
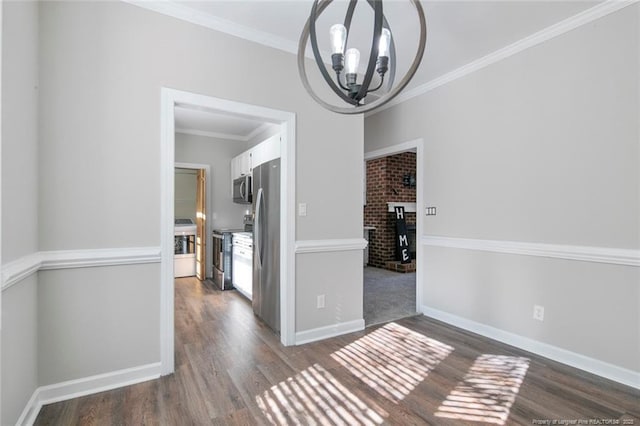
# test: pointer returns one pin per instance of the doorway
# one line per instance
(192, 209)
(392, 288)
(171, 99)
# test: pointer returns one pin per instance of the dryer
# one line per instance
(184, 248)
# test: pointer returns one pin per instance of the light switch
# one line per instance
(302, 209)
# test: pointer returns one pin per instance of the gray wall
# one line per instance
(540, 147)
(102, 66)
(19, 130)
(96, 320)
(184, 203)
(19, 203)
(19, 347)
(343, 302)
(217, 153)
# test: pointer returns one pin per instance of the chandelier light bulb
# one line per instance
(352, 61)
(385, 41)
(338, 36)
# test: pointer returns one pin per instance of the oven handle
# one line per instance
(242, 188)
(243, 254)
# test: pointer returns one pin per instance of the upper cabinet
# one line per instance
(241, 165)
(265, 151)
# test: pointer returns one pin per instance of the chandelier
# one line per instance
(345, 64)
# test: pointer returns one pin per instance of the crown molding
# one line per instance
(409, 146)
(185, 13)
(558, 29)
(226, 136)
(216, 135)
(255, 132)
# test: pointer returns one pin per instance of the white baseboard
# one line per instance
(30, 412)
(326, 332)
(600, 368)
(85, 386)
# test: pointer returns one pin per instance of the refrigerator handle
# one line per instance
(258, 226)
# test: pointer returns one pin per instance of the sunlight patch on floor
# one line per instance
(392, 360)
(315, 397)
(487, 391)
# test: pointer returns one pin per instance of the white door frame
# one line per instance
(418, 145)
(1, 281)
(287, 120)
(208, 209)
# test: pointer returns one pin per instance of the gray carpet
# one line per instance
(388, 295)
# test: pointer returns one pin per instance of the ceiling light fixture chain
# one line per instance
(382, 58)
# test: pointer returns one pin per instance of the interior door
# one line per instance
(201, 221)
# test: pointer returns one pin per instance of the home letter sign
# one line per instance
(402, 242)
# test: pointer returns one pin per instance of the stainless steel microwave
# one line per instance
(242, 190)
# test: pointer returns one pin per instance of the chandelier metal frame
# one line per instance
(355, 93)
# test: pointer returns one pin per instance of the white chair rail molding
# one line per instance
(616, 256)
(21, 268)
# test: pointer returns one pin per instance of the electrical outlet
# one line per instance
(302, 209)
(538, 312)
(320, 302)
(430, 211)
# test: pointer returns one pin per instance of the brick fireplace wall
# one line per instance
(384, 185)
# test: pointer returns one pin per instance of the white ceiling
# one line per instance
(217, 124)
(459, 32)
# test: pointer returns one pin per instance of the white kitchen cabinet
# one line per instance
(271, 148)
(241, 165)
(266, 151)
(257, 156)
(244, 163)
(235, 170)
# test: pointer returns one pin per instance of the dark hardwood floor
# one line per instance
(230, 369)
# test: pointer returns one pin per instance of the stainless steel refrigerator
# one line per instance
(266, 243)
